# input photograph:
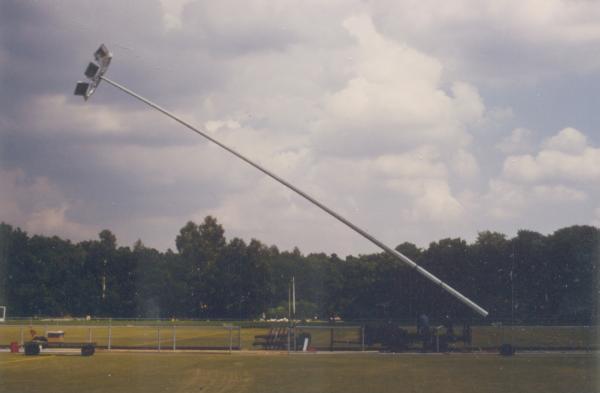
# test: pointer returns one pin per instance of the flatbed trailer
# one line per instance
(35, 346)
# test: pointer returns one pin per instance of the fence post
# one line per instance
(109, 333)
(331, 340)
(294, 337)
(362, 338)
(230, 338)
(158, 337)
(22, 343)
(240, 338)
(174, 338)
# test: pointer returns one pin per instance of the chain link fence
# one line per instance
(124, 335)
(237, 335)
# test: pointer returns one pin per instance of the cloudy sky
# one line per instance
(416, 120)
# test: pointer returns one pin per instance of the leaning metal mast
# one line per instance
(95, 74)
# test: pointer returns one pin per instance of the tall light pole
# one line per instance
(95, 74)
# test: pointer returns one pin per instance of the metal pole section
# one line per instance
(109, 333)
(331, 340)
(230, 338)
(294, 337)
(289, 318)
(512, 295)
(240, 338)
(361, 232)
(21, 335)
(158, 337)
(174, 338)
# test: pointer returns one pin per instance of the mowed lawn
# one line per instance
(269, 372)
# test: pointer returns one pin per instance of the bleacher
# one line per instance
(277, 338)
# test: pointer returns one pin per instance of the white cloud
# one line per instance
(568, 140)
(519, 141)
(275, 215)
(504, 200)
(363, 105)
(464, 164)
(52, 221)
(565, 156)
(213, 126)
(394, 100)
(559, 193)
(554, 165)
(172, 12)
(596, 217)
(432, 200)
(507, 42)
(361, 158)
(420, 163)
(38, 206)
(550, 187)
(438, 204)
(57, 114)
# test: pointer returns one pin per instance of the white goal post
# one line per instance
(2, 313)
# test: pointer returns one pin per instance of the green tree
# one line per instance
(531, 275)
(491, 267)
(574, 253)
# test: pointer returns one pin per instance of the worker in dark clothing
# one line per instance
(423, 330)
(449, 326)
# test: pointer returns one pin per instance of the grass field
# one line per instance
(267, 372)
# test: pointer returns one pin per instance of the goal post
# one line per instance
(2, 313)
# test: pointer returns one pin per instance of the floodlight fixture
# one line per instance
(103, 56)
(81, 89)
(91, 71)
(94, 72)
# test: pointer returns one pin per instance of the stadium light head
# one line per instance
(91, 71)
(81, 89)
(102, 55)
(94, 73)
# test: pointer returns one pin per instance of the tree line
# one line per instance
(528, 278)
